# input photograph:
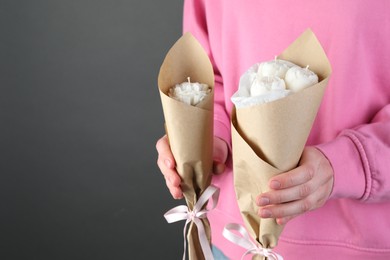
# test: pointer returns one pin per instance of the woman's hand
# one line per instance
(302, 189)
(166, 163)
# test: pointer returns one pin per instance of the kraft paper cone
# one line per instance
(269, 138)
(189, 128)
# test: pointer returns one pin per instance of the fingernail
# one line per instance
(179, 196)
(281, 221)
(220, 168)
(265, 213)
(275, 185)
(263, 201)
(168, 163)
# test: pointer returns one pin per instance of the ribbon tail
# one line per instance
(204, 242)
(185, 240)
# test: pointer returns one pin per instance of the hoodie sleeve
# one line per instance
(195, 21)
(360, 158)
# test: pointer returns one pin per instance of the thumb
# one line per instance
(220, 154)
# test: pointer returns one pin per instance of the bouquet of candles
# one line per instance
(275, 107)
(186, 85)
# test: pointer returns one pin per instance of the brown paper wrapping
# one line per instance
(189, 128)
(269, 138)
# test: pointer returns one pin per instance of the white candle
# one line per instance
(274, 68)
(298, 78)
(189, 92)
(265, 85)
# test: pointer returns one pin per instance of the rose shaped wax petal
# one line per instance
(274, 67)
(298, 78)
(264, 85)
(190, 93)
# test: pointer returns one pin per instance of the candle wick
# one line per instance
(188, 78)
(307, 67)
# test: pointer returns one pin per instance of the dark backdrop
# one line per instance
(80, 115)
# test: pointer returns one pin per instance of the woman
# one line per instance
(336, 204)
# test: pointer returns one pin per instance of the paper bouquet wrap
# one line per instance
(189, 128)
(269, 138)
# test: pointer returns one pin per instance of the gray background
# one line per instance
(80, 115)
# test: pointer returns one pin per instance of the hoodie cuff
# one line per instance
(349, 176)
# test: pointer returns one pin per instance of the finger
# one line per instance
(298, 192)
(220, 150)
(285, 210)
(292, 178)
(175, 191)
(164, 152)
(289, 194)
(283, 221)
(166, 161)
(286, 195)
(170, 175)
(296, 207)
(172, 180)
(299, 189)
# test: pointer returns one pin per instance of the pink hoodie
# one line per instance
(352, 127)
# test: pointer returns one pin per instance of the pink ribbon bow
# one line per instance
(245, 242)
(183, 213)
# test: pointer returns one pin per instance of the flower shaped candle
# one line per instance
(274, 68)
(262, 86)
(298, 78)
(189, 92)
